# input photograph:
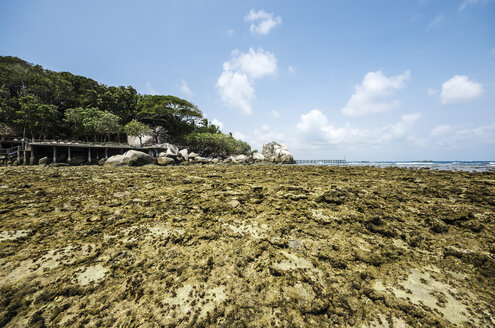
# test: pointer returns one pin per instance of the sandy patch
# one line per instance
(92, 274)
(195, 300)
(13, 235)
(422, 289)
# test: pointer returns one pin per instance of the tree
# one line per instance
(91, 122)
(107, 124)
(136, 128)
(5, 130)
(82, 121)
(178, 116)
(206, 127)
(35, 116)
(218, 143)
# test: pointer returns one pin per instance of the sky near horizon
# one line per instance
(360, 79)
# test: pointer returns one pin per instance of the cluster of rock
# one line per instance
(272, 152)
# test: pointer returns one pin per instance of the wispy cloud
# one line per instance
(374, 94)
(440, 129)
(262, 22)
(467, 3)
(230, 33)
(150, 90)
(184, 88)
(432, 92)
(437, 21)
(291, 69)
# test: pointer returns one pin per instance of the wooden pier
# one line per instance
(29, 152)
(321, 161)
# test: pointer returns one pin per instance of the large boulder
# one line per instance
(117, 160)
(44, 161)
(146, 140)
(130, 158)
(163, 160)
(169, 150)
(161, 134)
(238, 159)
(78, 160)
(258, 157)
(184, 154)
(277, 153)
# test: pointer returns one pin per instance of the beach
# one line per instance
(246, 246)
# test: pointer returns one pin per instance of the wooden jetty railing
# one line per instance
(321, 161)
(9, 152)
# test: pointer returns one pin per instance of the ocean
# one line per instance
(471, 166)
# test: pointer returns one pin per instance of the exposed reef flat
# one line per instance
(246, 246)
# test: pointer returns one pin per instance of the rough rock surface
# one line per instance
(277, 153)
(163, 160)
(170, 150)
(130, 158)
(149, 139)
(246, 246)
(44, 161)
(184, 154)
(258, 157)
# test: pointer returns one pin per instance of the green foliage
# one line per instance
(218, 143)
(60, 91)
(35, 100)
(35, 116)
(108, 123)
(178, 116)
(206, 127)
(136, 128)
(92, 123)
(5, 130)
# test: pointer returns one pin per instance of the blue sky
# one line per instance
(368, 80)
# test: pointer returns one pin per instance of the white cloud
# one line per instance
(150, 90)
(217, 123)
(438, 20)
(312, 121)
(440, 129)
(374, 94)
(236, 83)
(467, 3)
(291, 69)
(184, 89)
(230, 33)
(236, 90)
(261, 21)
(275, 114)
(460, 89)
(314, 128)
(256, 64)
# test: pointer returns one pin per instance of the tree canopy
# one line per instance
(40, 103)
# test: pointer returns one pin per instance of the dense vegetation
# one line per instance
(43, 104)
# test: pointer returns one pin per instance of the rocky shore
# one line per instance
(246, 246)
